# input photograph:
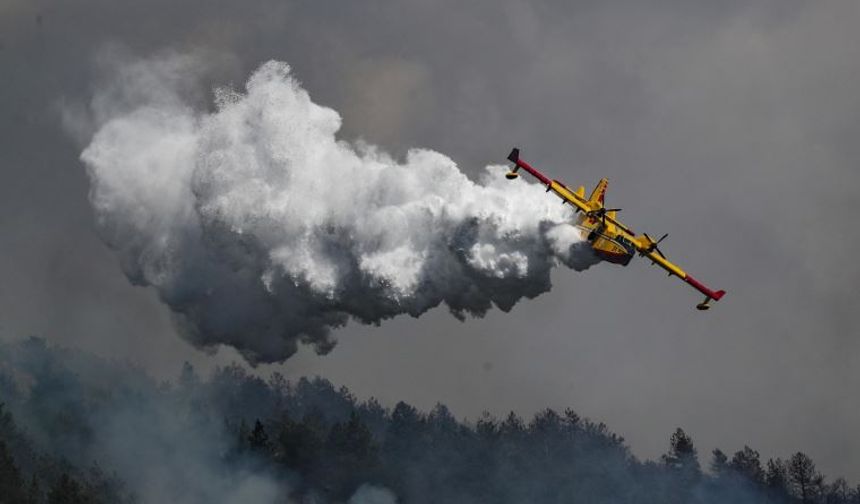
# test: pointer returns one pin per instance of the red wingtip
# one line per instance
(704, 290)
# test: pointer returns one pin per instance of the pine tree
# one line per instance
(351, 455)
(838, 492)
(683, 465)
(803, 476)
(11, 484)
(188, 379)
(66, 491)
(682, 454)
(258, 440)
(298, 444)
(854, 498)
(34, 493)
(719, 462)
(747, 463)
(776, 480)
(355, 439)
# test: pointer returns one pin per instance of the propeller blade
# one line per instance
(653, 244)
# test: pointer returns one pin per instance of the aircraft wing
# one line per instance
(575, 198)
(648, 248)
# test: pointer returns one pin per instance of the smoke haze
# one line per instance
(730, 125)
(234, 438)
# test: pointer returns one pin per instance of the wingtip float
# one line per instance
(611, 240)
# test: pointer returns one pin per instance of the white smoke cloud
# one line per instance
(260, 229)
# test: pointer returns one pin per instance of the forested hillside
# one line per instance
(78, 429)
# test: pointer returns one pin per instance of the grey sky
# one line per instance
(731, 125)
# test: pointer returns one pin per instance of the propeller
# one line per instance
(601, 212)
(653, 246)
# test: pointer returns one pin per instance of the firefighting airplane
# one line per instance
(611, 240)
